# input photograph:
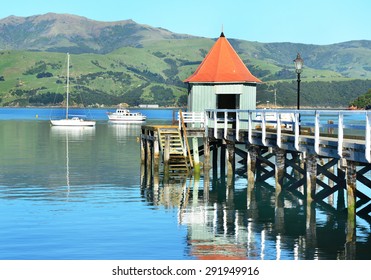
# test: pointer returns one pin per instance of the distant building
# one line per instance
(148, 106)
(221, 81)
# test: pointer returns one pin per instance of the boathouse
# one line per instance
(221, 81)
(317, 155)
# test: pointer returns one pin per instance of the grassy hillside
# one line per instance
(154, 73)
(130, 75)
(123, 61)
(135, 76)
(100, 79)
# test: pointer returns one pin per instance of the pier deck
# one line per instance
(313, 143)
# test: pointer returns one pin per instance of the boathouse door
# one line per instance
(228, 101)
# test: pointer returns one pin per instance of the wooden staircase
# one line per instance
(178, 162)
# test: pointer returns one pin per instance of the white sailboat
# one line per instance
(74, 121)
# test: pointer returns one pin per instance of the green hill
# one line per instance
(125, 62)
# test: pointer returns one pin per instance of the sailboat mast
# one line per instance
(68, 83)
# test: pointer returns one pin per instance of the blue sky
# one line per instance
(319, 22)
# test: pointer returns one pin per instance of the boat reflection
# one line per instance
(125, 129)
(71, 134)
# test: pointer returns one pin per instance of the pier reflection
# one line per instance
(227, 220)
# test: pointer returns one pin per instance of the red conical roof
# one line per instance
(222, 64)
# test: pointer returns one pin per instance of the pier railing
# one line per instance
(336, 125)
(195, 119)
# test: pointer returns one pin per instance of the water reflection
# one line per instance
(109, 216)
(66, 133)
(71, 134)
(124, 130)
(232, 222)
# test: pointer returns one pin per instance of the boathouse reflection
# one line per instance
(227, 221)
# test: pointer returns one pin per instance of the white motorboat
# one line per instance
(74, 121)
(125, 116)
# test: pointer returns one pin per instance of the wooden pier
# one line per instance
(300, 152)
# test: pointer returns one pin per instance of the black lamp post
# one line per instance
(299, 62)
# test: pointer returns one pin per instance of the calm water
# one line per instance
(81, 194)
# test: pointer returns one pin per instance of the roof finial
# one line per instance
(222, 34)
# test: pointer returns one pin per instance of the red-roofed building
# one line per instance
(221, 81)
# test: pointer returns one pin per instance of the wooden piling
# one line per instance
(148, 153)
(279, 168)
(206, 193)
(330, 183)
(252, 154)
(222, 159)
(156, 168)
(206, 168)
(279, 176)
(149, 162)
(252, 205)
(142, 174)
(301, 164)
(142, 151)
(196, 158)
(148, 175)
(311, 175)
(156, 154)
(351, 180)
(341, 177)
(311, 225)
(206, 153)
(279, 213)
(230, 162)
(156, 187)
(166, 156)
(215, 159)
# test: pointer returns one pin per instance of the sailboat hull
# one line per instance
(72, 122)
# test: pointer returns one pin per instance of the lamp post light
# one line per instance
(299, 62)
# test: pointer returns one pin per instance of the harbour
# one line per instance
(86, 216)
(103, 205)
(147, 144)
(174, 188)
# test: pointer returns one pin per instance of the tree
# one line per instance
(44, 75)
(133, 97)
(183, 100)
(164, 96)
(363, 101)
(46, 98)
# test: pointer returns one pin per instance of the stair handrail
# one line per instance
(186, 138)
